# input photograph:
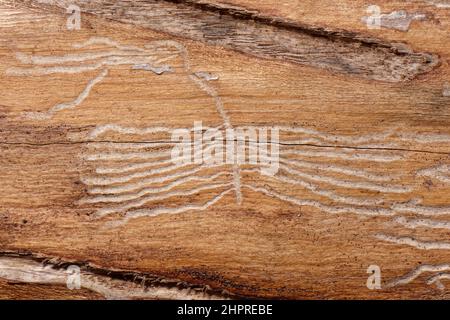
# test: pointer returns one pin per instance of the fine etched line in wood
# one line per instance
(146, 191)
(144, 165)
(340, 209)
(146, 199)
(72, 104)
(361, 173)
(137, 57)
(437, 279)
(139, 177)
(425, 223)
(297, 168)
(141, 183)
(417, 272)
(415, 207)
(265, 37)
(314, 188)
(177, 210)
(441, 173)
(410, 241)
(140, 59)
(347, 184)
(147, 174)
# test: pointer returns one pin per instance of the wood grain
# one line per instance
(268, 37)
(86, 118)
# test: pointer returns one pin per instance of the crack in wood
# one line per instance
(45, 144)
(252, 33)
(22, 266)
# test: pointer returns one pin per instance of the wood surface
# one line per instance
(86, 117)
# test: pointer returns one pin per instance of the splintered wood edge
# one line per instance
(249, 32)
(32, 268)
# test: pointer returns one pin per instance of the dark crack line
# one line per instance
(147, 279)
(252, 33)
(173, 142)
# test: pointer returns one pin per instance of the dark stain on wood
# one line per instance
(265, 37)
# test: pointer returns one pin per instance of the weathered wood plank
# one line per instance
(86, 119)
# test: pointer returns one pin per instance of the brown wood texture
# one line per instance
(86, 117)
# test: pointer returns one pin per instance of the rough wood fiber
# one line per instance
(85, 123)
